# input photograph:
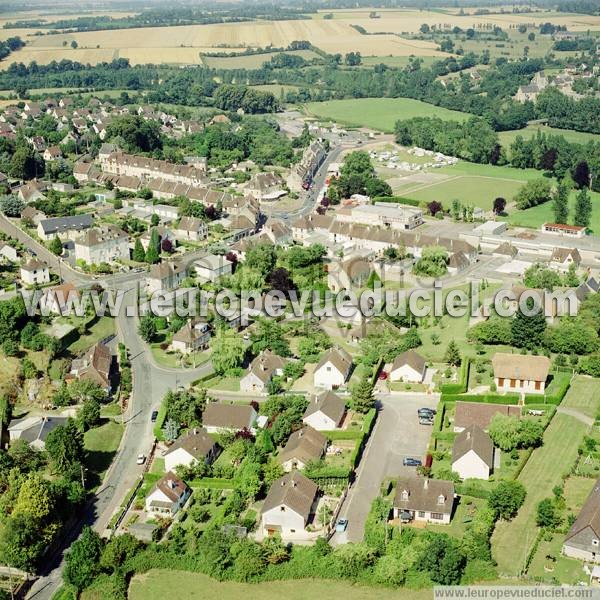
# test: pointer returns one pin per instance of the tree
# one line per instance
(21, 544)
(506, 499)
(560, 204)
(139, 254)
(154, 219)
(11, 206)
(434, 207)
(581, 174)
(534, 192)
(424, 28)
(25, 163)
(55, 246)
(546, 514)
(433, 262)
(147, 328)
(504, 431)
(83, 560)
(228, 350)
(64, 446)
(583, 209)
(362, 398)
(269, 336)
(528, 331)
(499, 205)
(153, 252)
(452, 355)
(89, 414)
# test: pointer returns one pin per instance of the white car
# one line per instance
(141, 459)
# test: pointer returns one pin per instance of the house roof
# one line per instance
(164, 270)
(520, 366)
(228, 416)
(338, 357)
(189, 333)
(197, 443)
(294, 491)
(506, 249)
(191, 224)
(480, 414)
(412, 359)
(33, 264)
(36, 428)
(96, 364)
(265, 364)
(304, 444)
(97, 236)
(60, 224)
(329, 403)
(431, 495)
(562, 254)
(476, 439)
(589, 516)
(458, 260)
(171, 486)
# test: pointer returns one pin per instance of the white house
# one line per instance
(35, 272)
(168, 496)
(191, 229)
(473, 454)
(190, 449)
(64, 227)
(333, 369)
(194, 335)
(583, 540)
(409, 367)
(520, 373)
(228, 417)
(423, 499)
(102, 245)
(212, 266)
(261, 371)
(303, 446)
(289, 506)
(8, 253)
(165, 276)
(325, 412)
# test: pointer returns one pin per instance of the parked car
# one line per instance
(341, 525)
(141, 459)
(411, 462)
(425, 421)
(426, 411)
(154, 416)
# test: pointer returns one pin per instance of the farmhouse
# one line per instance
(230, 417)
(193, 336)
(102, 245)
(168, 496)
(423, 499)
(63, 226)
(333, 369)
(583, 539)
(303, 445)
(35, 272)
(520, 373)
(260, 372)
(325, 412)
(34, 430)
(289, 505)
(409, 367)
(473, 454)
(195, 447)
(467, 414)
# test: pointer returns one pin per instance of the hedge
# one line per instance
(343, 435)
(486, 398)
(460, 387)
(397, 200)
(555, 398)
(367, 427)
(328, 472)
(160, 422)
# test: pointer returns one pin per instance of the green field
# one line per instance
(251, 61)
(396, 61)
(538, 215)
(513, 540)
(577, 137)
(158, 584)
(379, 113)
(101, 444)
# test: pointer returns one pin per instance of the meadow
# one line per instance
(378, 113)
(251, 61)
(577, 137)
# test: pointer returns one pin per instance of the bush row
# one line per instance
(460, 387)
(487, 398)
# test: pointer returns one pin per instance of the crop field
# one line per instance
(379, 113)
(577, 137)
(252, 61)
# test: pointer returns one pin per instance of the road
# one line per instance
(396, 435)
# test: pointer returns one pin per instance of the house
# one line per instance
(423, 499)
(212, 266)
(467, 414)
(265, 187)
(348, 273)
(165, 276)
(52, 153)
(63, 227)
(29, 213)
(520, 373)
(505, 249)
(167, 497)
(165, 212)
(191, 229)
(563, 258)
(195, 447)
(473, 454)
(325, 412)
(457, 262)
(333, 369)
(583, 540)
(95, 365)
(260, 372)
(102, 245)
(230, 417)
(382, 214)
(59, 299)
(32, 191)
(8, 253)
(35, 272)
(163, 234)
(289, 505)
(409, 367)
(303, 445)
(193, 336)
(34, 430)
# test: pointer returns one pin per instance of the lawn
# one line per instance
(101, 329)
(396, 61)
(578, 137)
(538, 215)
(101, 444)
(158, 584)
(562, 569)
(512, 540)
(584, 395)
(463, 515)
(379, 113)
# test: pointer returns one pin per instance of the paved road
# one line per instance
(396, 435)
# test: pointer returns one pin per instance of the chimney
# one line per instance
(468, 435)
(425, 483)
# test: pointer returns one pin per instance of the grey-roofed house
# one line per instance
(63, 226)
(473, 454)
(230, 417)
(303, 445)
(194, 447)
(325, 412)
(260, 372)
(583, 540)
(34, 430)
(289, 506)
(423, 499)
(408, 366)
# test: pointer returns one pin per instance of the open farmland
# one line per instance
(578, 137)
(251, 61)
(379, 113)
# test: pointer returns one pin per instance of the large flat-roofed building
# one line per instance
(391, 216)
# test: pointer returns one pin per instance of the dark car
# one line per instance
(411, 462)
(154, 416)
(426, 411)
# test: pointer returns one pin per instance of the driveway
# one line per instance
(396, 435)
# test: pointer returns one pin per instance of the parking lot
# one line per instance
(397, 435)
